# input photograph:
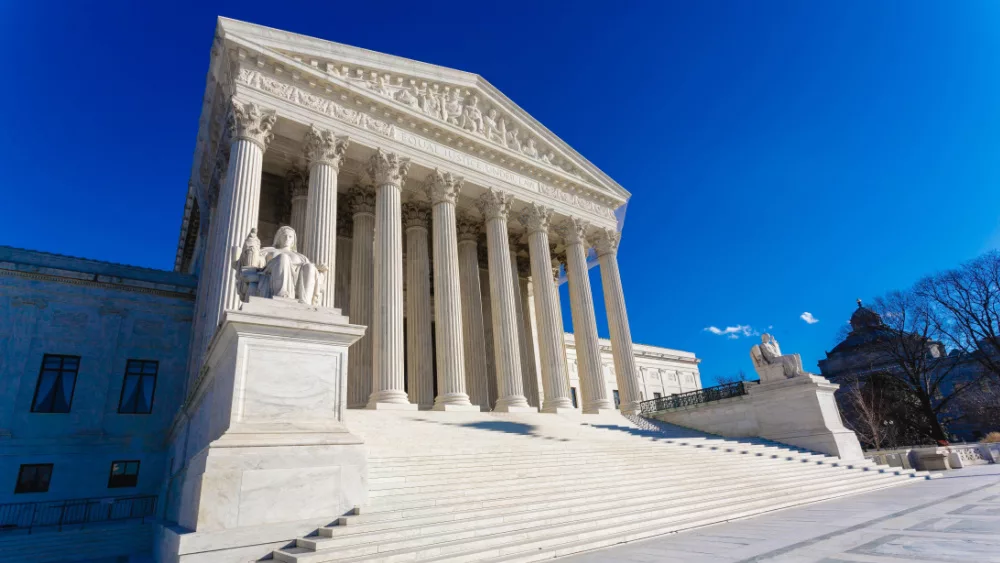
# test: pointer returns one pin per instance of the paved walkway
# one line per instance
(953, 518)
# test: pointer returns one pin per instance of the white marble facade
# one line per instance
(392, 149)
(364, 155)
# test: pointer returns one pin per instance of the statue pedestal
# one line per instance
(261, 444)
(801, 411)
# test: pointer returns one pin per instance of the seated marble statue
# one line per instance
(771, 364)
(277, 272)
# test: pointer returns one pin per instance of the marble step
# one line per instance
(442, 492)
(606, 502)
(560, 547)
(678, 454)
(386, 480)
(475, 544)
(506, 484)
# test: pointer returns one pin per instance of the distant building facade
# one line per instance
(862, 355)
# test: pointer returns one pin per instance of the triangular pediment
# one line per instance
(462, 104)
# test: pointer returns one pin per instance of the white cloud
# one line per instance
(809, 318)
(732, 332)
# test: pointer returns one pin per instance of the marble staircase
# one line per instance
(450, 486)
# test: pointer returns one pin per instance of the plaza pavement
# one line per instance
(953, 518)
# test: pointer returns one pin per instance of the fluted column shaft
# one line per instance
(388, 171)
(359, 360)
(298, 192)
(551, 344)
(419, 346)
(239, 199)
(495, 206)
(621, 337)
(342, 281)
(324, 152)
(442, 190)
(524, 343)
(588, 352)
(474, 338)
(492, 388)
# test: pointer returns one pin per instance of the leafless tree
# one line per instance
(866, 412)
(914, 359)
(739, 376)
(968, 303)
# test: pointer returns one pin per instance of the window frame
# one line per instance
(18, 490)
(140, 375)
(125, 463)
(38, 382)
(572, 396)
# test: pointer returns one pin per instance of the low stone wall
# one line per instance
(798, 411)
(958, 455)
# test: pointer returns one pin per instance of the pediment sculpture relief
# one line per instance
(278, 271)
(451, 105)
(771, 364)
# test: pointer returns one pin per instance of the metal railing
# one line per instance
(25, 516)
(706, 395)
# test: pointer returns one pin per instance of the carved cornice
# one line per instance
(495, 204)
(322, 147)
(574, 231)
(606, 241)
(468, 227)
(387, 168)
(442, 187)
(362, 199)
(535, 218)
(416, 215)
(249, 122)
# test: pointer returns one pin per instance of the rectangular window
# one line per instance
(123, 474)
(572, 394)
(657, 395)
(138, 387)
(33, 478)
(56, 382)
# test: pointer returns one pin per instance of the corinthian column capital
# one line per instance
(362, 199)
(248, 121)
(536, 218)
(606, 241)
(574, 231)
(296, 182)
(322, 147)
(468, 228)
(495, 204)
(388, 168)
(442, 187)
(416, 215)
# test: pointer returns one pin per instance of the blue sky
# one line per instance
(784, 157)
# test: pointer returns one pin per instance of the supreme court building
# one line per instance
(443, 214)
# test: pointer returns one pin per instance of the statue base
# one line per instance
(799, 411)
(261, 446)
(802, 411)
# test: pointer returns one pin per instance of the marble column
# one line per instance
(557, 261)
(298, 194)
(324, 153)
(621, 337)
(419, 346)
(359, 357)
(551, 343)
(342, 282)
(524, 343)
(442, 189)
(388, 171)
(474, 339)
(495, 206)
(492, 389)
(588, 352)
(239, 199)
